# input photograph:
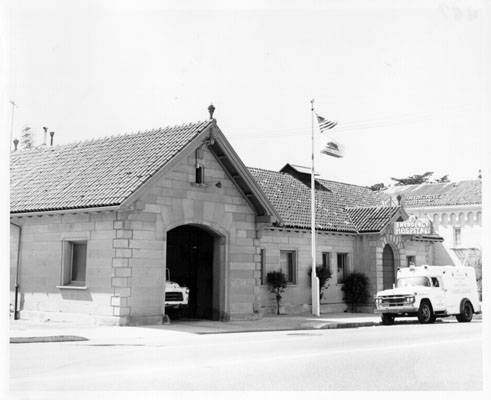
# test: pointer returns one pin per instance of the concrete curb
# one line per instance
(330, 325)
(47, 339)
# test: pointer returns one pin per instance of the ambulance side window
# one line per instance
(434, 282)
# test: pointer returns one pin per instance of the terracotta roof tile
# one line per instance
(371, 219)
(95, 173)
(438, 194)
(291, 198)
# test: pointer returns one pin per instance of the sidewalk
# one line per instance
(28, 331)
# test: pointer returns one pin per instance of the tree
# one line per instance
(276, 281)
(324, 274)
(443, 179)
(377, 187)
(355, 290)
(413, 179)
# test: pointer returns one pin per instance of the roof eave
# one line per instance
(65, 211)
(227, 158)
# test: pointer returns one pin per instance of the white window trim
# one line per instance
(348, 264)
(295, 250)
(77, 285)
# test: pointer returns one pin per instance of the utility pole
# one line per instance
(12, 122)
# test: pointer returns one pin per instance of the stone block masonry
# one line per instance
(41, 287)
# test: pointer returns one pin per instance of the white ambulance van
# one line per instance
(428, 292)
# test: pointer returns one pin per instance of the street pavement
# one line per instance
(442, 356)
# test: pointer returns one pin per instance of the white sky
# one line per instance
(405, 80)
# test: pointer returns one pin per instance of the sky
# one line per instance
(406, 81)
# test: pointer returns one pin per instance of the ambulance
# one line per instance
(428, 292)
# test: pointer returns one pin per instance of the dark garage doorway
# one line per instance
(193, 262)
(388, 267)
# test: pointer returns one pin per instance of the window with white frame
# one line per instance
(326, 261)
(411, 260)
(343, 267)
(74, 263)
(288, 264)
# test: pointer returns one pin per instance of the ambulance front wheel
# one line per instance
(425, 313)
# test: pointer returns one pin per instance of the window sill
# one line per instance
(71, 287)
(200, 185)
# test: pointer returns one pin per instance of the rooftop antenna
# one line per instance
(12, 121)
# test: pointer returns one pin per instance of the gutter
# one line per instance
(17, 273)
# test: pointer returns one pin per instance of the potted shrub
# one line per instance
(355, 290)
(276, 281)
(324, 274)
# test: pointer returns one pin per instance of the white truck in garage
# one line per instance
(176, 296)
(428, 292)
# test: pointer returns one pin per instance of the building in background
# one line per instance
(455, 209)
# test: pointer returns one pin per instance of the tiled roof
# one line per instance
(438, 194)
(356, 196)
(94, 173)
(291, 198)
(371, 219)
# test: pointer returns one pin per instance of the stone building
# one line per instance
(95, 225)
(455, 209)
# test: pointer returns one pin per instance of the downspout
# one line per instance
(17, 273)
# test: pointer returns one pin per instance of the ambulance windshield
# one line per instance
(413, 281)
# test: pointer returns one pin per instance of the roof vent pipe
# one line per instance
(16, 143)
(45, 135)
(51, 134)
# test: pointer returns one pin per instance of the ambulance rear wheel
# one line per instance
(425, 313)
(387, 319)
(466, 315)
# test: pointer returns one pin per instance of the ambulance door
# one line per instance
(438, 297)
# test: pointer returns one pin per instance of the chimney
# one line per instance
(51, 134)
(45, 135)
(16, 143)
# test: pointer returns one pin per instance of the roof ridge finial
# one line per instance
(211, 110)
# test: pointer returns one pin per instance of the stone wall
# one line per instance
(297, 297)
(41, 264)
(173, 200)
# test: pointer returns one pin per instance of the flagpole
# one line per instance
(315, 280)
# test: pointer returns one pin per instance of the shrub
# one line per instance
(355, 290)
(276, 281)
(324, 274)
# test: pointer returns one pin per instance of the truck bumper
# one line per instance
(409, 309)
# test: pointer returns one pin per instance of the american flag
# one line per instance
(324, 124)
(333, 147)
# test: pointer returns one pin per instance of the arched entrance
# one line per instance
(388, 267)
(194, 258)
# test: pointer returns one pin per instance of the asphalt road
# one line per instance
(401, 357)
